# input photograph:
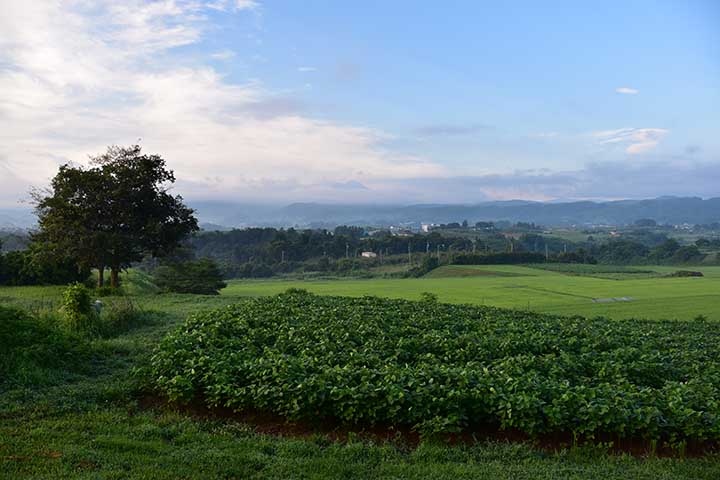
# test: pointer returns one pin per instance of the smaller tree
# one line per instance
(201, 276)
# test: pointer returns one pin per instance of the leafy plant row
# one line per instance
(440, 367)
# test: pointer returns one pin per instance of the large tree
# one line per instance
(114, 212)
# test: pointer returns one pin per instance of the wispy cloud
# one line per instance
(237, 5)
(246, 4)
(446, 130)
(307, 69)
(634, 140)
(223, 55)
(627, 90)
(601, 180)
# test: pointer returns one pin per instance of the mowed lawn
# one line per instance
(530, 288)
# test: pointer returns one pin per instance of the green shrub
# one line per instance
(428, 264)
(441, 367)
(35, 352)
(122, 315)
(77, 310)
(195, 276)
(428, 297)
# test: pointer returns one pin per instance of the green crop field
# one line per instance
(651, 296)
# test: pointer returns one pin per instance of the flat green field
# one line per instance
(654, 297)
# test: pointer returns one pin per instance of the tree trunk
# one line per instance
(114, 277)
(101, 277)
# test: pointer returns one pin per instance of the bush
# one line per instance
(428, 264)
(685, 273)
(34, 352)
(36, 266)
(442, 367)
(77, 310)
(195, 276)
(428, 297)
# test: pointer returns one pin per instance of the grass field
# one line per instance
(91, 424)
(534, 289)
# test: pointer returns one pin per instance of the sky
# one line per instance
(271, 101)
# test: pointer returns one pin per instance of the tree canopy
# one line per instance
(114, 212)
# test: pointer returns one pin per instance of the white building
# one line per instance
(368, 254)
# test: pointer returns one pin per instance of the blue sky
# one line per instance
(281, 101)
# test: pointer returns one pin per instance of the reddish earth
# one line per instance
(406, 438)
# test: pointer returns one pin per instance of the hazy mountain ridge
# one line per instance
(672, 210)
(224, 215)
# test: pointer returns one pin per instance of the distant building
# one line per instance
(401, 231)
(427, 227)
(368, 254)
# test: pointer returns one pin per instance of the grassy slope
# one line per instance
(91, 427)
(534, 289)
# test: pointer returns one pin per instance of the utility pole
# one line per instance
(283, 257)
(547, 254)
(438, 252)
(427, 247)
(347, 250)
(409, 254)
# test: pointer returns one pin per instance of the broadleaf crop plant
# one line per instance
(442, 368)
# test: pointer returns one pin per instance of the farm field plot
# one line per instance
(533, 289)
(443, 368)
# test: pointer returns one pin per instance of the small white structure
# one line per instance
(368, 254)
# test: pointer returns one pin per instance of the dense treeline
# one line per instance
(35, 266)
(270, 245)
(619, 252)
(509, 258)
(264, 252)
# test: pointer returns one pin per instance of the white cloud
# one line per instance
(77, 77)
(627, 90)
(223, 55)
(246, 4)
(236, 5)
(307, 69)
(634, 140)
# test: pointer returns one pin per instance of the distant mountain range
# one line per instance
(225, 215)
(671, 210)
(12, 219)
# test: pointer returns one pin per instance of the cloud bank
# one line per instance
(76, 77)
